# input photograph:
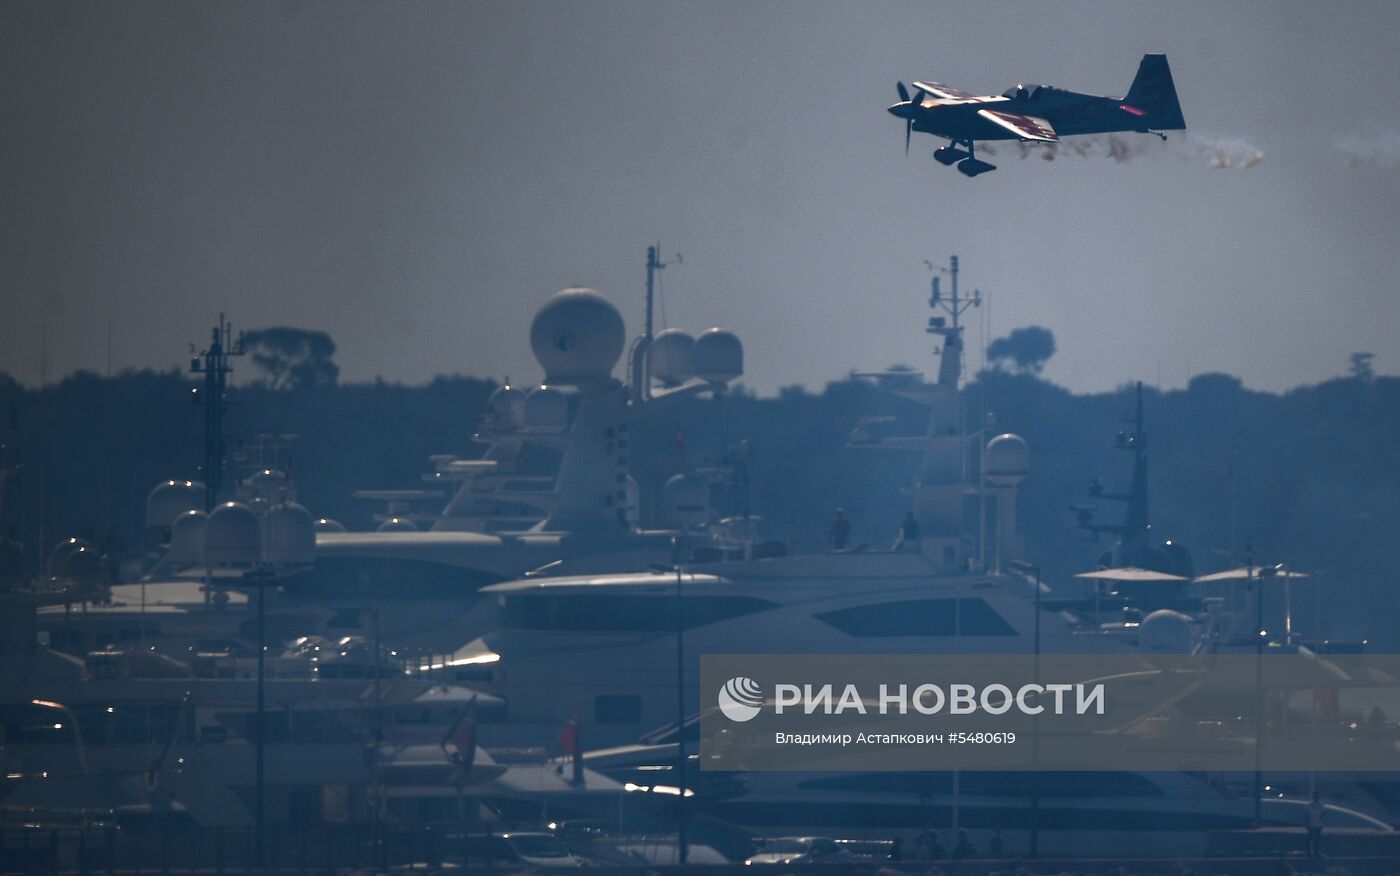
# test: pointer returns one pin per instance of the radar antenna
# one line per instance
(954, 306)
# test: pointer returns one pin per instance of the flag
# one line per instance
(459, 744)
(569, 741)
(157, 766)
(568, 737)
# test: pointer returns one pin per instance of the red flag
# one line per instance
(568, 737)
(569, 741)
(462, 737)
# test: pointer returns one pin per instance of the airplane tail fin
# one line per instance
(1154, 92)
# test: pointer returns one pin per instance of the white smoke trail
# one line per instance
(1371, 150)
(1225, 153)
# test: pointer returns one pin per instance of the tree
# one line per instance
(292, 357)
(1025, 349)
(1361, 367)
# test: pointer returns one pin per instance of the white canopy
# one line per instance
(1244, 573)
(1130, 573)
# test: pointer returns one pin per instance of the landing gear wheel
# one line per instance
(949, 155)
(973, 167)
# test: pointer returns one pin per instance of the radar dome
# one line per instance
(58, 557)
(1180, 561)
(170, 499)
(507, 407)
(327, 524)
(671, 356)
(83, 566)
(577, 336)
(1165, 632)
(547, 408)
(11, 564)
(718, 356)
(687, 500)
(397, 524)
(291, 536)
(1008, 460)
(187, 537)
(232, 536)
(271, 486)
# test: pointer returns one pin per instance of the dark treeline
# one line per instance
(1310, 477)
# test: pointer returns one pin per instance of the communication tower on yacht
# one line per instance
(951, 501)
(215, 365)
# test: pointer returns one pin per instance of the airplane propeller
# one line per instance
(909, 120)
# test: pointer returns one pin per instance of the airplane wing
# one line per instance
(1025, 127)
(943, 92)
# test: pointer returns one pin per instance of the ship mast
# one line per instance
(214, 364)
(954, 306)
(640, 376)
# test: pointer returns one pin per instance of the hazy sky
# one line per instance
(417, 178)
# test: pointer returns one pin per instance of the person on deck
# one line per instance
(1315, 812)
(840, 530)
(909, 534)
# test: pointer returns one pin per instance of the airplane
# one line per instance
(1036, 113)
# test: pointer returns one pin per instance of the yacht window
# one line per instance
(638, 612)
(1058, 784)
(391, 576)
(977, 618)
(966, 616)
(925, 784)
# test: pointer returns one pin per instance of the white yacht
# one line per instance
(607, 646)
(607, 643)
(418, 574)
(1117, 814)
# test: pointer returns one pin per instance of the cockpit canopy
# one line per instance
(1023, 91)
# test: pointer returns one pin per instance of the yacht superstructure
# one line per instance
(606, 643)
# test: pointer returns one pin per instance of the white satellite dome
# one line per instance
(291, 536)
(547, 408)
(327, 524)
(58, 557)
(686, 499)
(170, 499)
(507, 405)
(187, 537)
(670, 357)
(83, 565)
(232, 536)
(1165, 632)
(1008, 460)
(397, 524)
(577, 336)
(718, 356)
(271, 486)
